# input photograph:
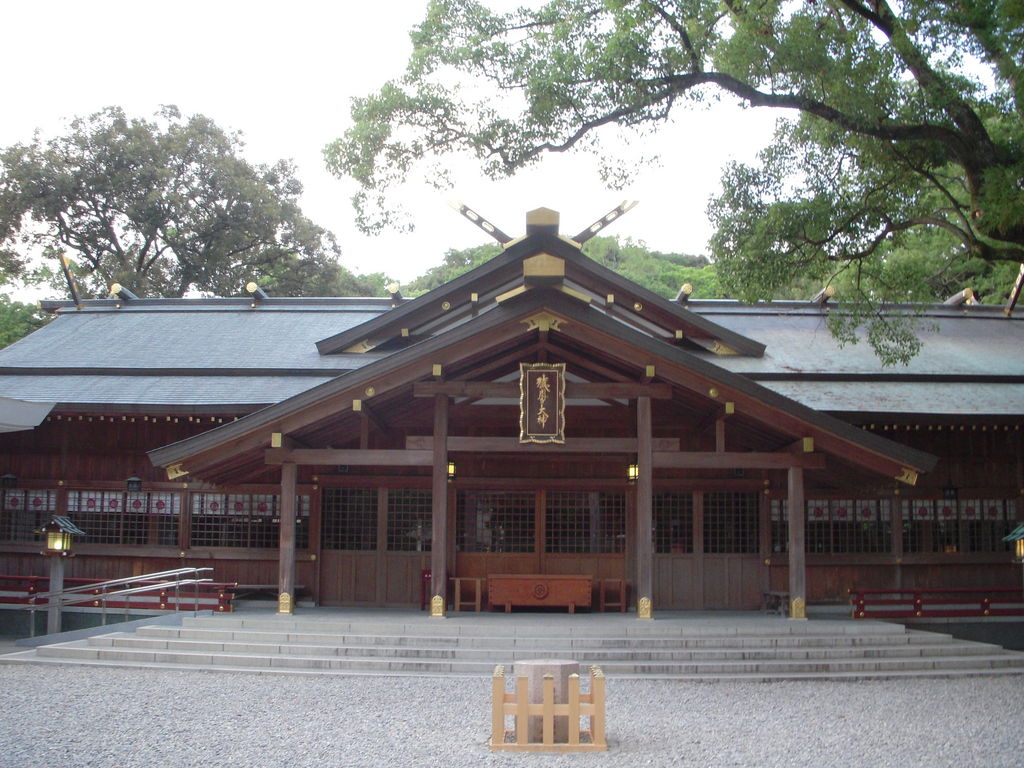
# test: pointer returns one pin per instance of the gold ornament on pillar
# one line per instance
(284, 603)
(437, 606)
(797, 608)
(644, 609)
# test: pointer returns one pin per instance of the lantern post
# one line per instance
(58, 532)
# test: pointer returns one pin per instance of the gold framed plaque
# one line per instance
(542, 402)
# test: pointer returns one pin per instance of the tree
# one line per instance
(18, 319)
(901, 119)
(455, 263)
(662, 273)
(164, 207)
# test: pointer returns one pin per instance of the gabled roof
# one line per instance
(524, 317)
(540, 259)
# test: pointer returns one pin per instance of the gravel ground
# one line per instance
(64, 717)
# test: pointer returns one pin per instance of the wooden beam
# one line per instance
(370, 415)
(644, 509)
(573, 389)
(439, 508)
(801, 446)
(323, 457)
(286, 541)
(736, 460)
(797, 553)
(592, 445)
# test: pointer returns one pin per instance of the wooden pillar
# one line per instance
(644, 487)
(286, 540)
(439, 510)
(55, 587)
(797, 554)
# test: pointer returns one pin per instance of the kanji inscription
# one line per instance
(542, 402)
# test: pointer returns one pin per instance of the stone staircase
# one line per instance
(750, 647)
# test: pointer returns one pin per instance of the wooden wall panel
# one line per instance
(675, 583)
(732, 581)
(402, 578)
(348, 578)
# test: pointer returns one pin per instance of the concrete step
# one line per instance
(226, 634)
(716, 649)
(270, 662)
(636, 652)
(486, 627)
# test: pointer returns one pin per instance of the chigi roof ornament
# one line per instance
(541, 219)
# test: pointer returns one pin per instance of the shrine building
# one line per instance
(537, 415)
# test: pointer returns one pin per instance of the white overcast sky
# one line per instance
(283, 74)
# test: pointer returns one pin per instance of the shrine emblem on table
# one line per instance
(542, 402)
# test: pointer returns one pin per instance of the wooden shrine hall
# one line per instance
(538, 432)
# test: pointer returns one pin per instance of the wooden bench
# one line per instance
(535, 590)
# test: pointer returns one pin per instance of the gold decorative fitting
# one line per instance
(907, 476)
(511, 293)
(649, 371)
(721, 349)
(284, 603)
(357, 405)
(609, 299)
(543, 321)
(730, 407)
(637, 306)
(713, 392)
(644, 608)
(276, 439)
(175, 471)
(543, 265)
(437, 606)
(797, 608)
(446, 305)
(362, 347)
(370, 391)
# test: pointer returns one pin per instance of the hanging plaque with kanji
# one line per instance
(542, 402)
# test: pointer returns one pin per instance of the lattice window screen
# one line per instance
(349, 519)
(495, 521)
(673, 522)
(409, 520)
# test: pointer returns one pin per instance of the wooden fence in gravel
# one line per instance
(517, 705)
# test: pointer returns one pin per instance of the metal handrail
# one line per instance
(97, 592)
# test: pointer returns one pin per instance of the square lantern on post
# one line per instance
(1017, 537)
(59, 532)
(8, 481)
(134, 484)
(632, 473)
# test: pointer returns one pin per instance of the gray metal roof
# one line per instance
(164, 390)
(226, 352)
(978, 341)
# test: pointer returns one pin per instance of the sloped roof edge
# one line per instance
(513, 312)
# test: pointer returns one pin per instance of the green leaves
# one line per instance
(164, 207)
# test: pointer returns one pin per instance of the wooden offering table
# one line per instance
(543, 590)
